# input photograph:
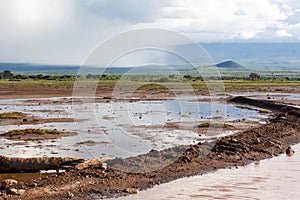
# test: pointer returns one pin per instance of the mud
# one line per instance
(239, 149)
(34, 120)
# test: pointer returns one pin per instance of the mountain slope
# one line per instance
(229, 65)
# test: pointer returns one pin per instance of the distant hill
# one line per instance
(27, 68)
(258, 56)
(38, 68)
(230, 65)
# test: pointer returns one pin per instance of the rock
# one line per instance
(70, 195)
(256, 141)
(15, 191)
(8, 183)
(289, 151)
(95, 162)
(33, 185)
(233, 140)
(103, 166)
(132, 190)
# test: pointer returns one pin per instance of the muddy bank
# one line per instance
(266, 104)
(23, 118)
(30, 134)
(36, 164)
(239, 149)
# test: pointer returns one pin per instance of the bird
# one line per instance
(289, 151)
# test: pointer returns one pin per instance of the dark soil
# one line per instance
(265, 141)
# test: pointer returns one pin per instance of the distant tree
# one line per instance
(187, 77)
(18, 76)
(163, 79)
(32, 76)
(7, 74)
(46, 77)
(40, 76)
(104, 77)
(89, 76)
(254, 76)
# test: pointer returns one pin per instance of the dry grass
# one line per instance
(213, 125)
(12, 115)
(31, 131)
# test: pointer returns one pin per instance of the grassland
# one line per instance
(213, 125)
(12, 115)
(21, 86)
(181, 84)
(27, 131)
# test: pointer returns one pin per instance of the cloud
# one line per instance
(132, 11)
(56, 31)
(235, 19)
(283, 33)
(294, 30)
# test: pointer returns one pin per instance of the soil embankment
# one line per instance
(236, 150)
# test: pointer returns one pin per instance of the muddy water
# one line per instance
(116, 129)
(277, 178)
(23, 176)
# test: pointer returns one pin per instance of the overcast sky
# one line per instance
(65, 31)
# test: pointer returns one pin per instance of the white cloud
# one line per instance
(235, 19)
(283, 33)
(294, 29)
(56, 31)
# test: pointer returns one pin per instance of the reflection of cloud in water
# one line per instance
(119, 129)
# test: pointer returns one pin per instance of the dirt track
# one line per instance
(240, 149)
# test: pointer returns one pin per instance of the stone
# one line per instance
(33, 185)
(15, 191)
(132, 190)
(103, 166)
(8, 183)
(289, 151)
(233, 140)
(70, 195)
(256, 141)
(95, 162)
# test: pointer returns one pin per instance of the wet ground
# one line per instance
(113, 129)
(172, 120)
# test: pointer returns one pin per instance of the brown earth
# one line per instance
(239, 149)
(34, 120)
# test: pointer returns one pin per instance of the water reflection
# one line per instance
(277, 178)
(117, 129)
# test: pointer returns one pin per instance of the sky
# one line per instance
(66, 31)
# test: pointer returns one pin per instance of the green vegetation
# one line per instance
(12, 115)
(11, 77)
(213, 125)
(30, 131)
(244, 80)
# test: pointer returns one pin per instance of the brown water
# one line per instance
(23, 176)
(277, 178)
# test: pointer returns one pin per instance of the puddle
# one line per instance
(21, 177)
(116, 129)
(277, 178)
